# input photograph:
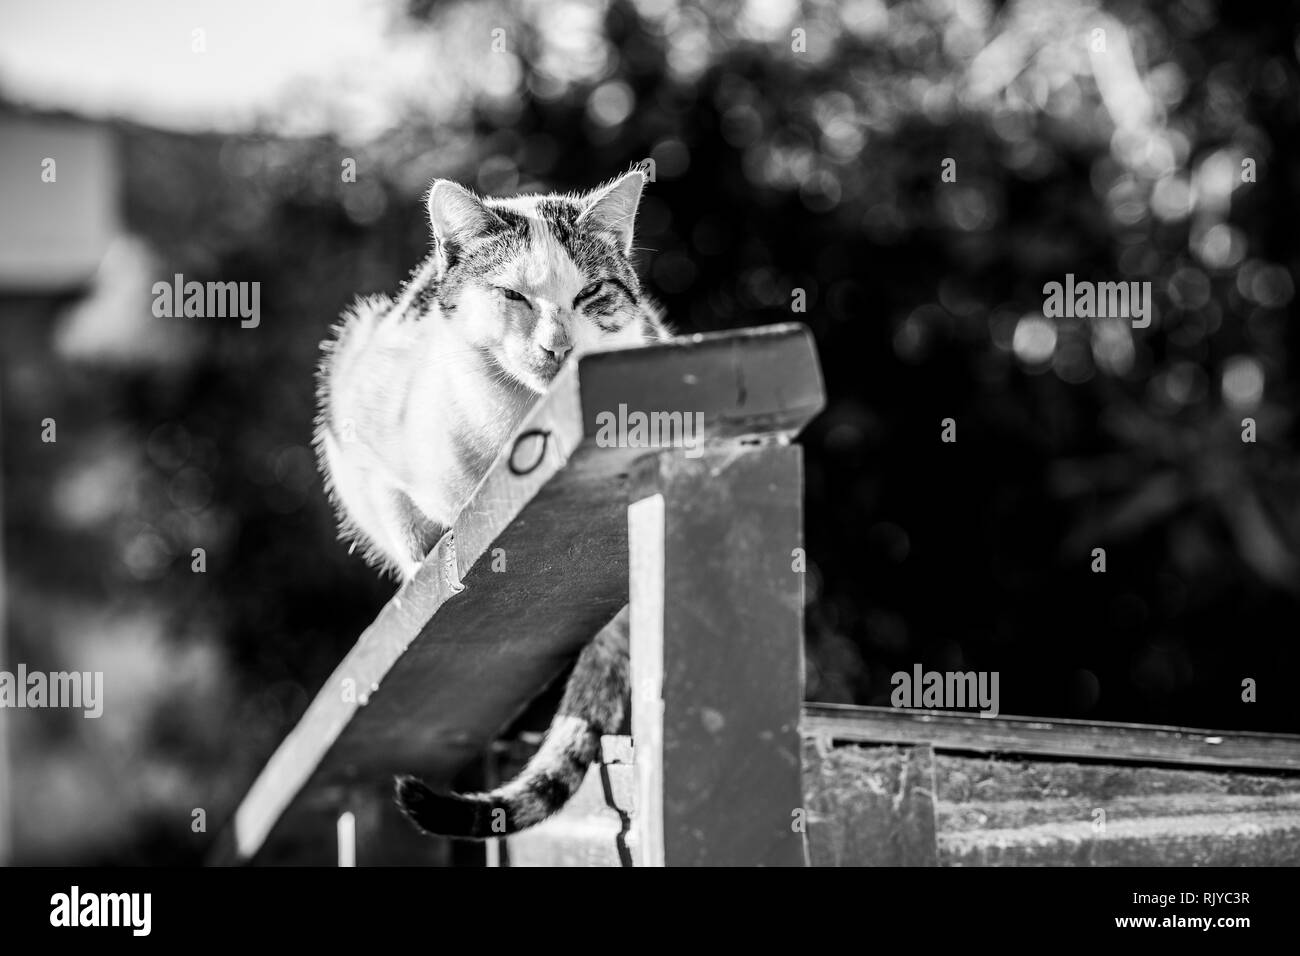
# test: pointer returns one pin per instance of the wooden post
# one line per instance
(717, 657)
(347, 837)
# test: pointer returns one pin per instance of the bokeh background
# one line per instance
(797, 146)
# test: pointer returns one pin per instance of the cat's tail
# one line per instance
(595, 701)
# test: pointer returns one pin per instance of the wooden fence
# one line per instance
(729, 767)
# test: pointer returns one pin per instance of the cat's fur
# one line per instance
(419, 395)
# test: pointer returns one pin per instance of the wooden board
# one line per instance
(1138, 743)
(1029, 813)
(1011, 791)
(461, 649)
(1034, 812)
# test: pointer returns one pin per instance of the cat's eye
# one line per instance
(513, 296)
(589, 291)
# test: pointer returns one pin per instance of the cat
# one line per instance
(417, 397)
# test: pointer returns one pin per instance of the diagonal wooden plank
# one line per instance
(462, 648)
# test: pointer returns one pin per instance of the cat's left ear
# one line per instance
(612, 208)
(456, 215)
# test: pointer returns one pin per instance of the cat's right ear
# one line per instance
(457, 216)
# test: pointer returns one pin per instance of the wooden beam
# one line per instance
(1113, 742)
(535, 565)
(1007, 812)
(717, 657)
(872, 806)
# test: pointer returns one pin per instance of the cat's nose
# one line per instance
(553, 338)
(558, 350)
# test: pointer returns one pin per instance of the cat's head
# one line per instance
(534, 280)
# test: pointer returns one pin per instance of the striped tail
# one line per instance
(595, 701)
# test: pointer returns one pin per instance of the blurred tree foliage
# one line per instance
(776, 170)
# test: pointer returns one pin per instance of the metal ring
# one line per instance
(519, 440)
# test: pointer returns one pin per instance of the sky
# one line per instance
(144, 60)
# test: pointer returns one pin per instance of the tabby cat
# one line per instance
(417, 397)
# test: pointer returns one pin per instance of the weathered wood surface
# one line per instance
(462, 648)
(870, 806)
(1042, 807)
(1025, 813)
(717, 657)
(1137, 743)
